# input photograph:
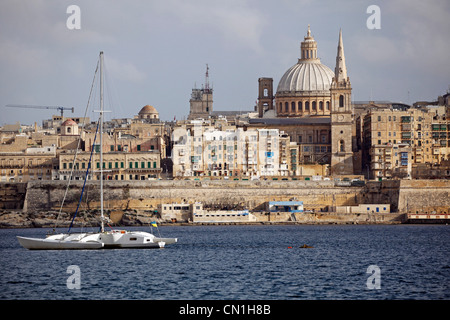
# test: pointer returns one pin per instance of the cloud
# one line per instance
(123, 70)
(411, 35)
(235, 20)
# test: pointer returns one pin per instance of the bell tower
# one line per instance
(265, 95)
(201, 102)
(341, 117)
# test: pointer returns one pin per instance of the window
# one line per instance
(321, 105)
(131, 165)
(341, 101)
(266, 93)
(328, 105)
(142, 164)
(138, 147)
(300, 106)
(154, 164)
(112, 147)
(286, 107)
(341, 146)
(314, 106)
(293, 106)
(379, 118)
(121, 165)
(307, 106)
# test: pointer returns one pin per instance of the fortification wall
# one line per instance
(231, 195)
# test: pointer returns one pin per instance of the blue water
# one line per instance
(241, 262)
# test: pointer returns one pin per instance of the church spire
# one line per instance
(340, 72)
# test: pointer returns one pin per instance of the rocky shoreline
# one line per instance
(50, 219)
(15, 219)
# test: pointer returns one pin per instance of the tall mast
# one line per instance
(101, 141)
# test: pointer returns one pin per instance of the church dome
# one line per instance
(304, 89)
(148, 109)
(148, 114)
(69, 122)
(306, 76)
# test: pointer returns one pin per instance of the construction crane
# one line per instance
(61, 109)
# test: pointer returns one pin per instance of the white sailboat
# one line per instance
(97, 240)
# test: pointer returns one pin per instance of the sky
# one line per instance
(156, 51)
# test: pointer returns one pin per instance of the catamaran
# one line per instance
(96, 240)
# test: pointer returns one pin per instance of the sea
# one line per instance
(234, 262)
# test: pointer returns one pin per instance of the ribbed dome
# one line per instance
(306, 76)
(147, 109)
(69, 122)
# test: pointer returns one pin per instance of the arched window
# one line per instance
(341, 146)
(286, 106)
(341, 101)
(314, 106)
(300, 106)
(293, 106)
(321, 105)
(307, 106)
(266, 92)
(328, 105)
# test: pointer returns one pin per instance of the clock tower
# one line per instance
(341, 117)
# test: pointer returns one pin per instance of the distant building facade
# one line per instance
(402, 144)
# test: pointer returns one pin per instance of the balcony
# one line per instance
(406, 127)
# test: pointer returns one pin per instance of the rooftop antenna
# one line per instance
(207, 78)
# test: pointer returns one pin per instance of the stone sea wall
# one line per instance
(135, 203)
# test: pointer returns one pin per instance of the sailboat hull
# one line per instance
(133, 239)
(106, 240)
(58, 244)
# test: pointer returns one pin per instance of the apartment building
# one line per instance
(116, 165)
(200, 149)
(34, 163)
(396, 141)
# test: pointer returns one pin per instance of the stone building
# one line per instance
(34, 163)
(230, 152)
(201, 102)
(409, 138)
(313, 106)
(117, 165)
